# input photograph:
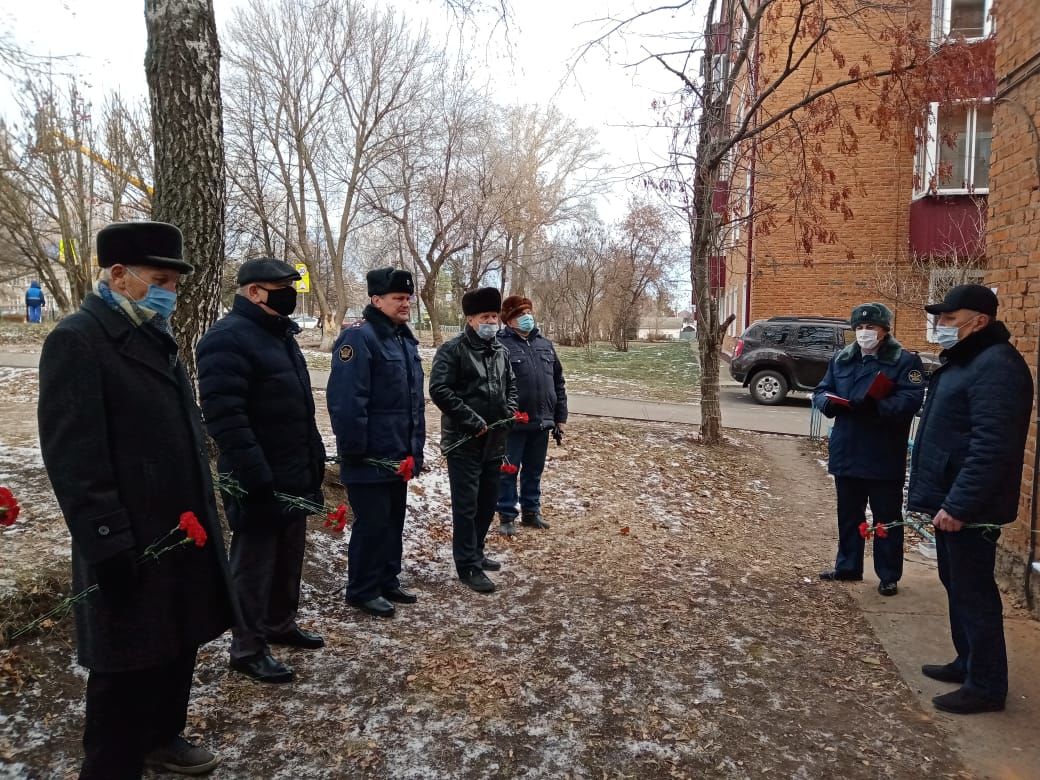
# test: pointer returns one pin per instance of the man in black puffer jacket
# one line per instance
(472, 385)
(257, 401)
(967, 469)
(542, 396)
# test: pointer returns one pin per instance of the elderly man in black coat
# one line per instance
(257, 400)
(966, 470)
(123, 445)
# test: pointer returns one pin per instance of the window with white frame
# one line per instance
(954, 157)
(961, 18)
(941, 281)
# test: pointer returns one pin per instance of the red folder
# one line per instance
(836, 399)
(881, 387)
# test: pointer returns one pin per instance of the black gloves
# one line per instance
(354, 461)
(259, 496)
(117, 575)
(557, 433)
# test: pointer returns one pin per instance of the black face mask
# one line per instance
(282, 300)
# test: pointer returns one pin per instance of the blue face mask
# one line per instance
(487, 330)
(161, 301)
(949, 335)
(525, 322)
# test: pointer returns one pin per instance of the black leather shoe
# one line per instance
(948, 673)
(533, 520)
(840, 576)
(400, 596)
(490, 565)
(263, 667)
(888, 588)
(298, 637)
(378, 606)
(965, 702)
(477, 580)
(507, 528)
(183, 758)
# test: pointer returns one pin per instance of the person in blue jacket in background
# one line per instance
(376, 402)
(34, 303)
(868, 443)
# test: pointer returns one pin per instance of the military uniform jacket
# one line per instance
(123, 445)
(256, 396)
(872, 445)
(541, 390)
(473, 386)
(375, 397)
(968, 451)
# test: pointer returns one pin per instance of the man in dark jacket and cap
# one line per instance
(873, 388)
(542, 395)
(123, 445)
(474, 388)
(256, 397)
(375, 398)
(966, 470)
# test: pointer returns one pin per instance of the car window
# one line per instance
(774, 334)
(815, 337)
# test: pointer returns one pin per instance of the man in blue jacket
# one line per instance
(873, 388)
(543, 397)
(375, 398)
(34, 303)
(967, 470)
(256, 397)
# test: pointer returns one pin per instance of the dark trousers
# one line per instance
(474, 492)
(266, 569)
(375, 550)
(966, 562)
(886, 504)
(130, 714)
(525, 449)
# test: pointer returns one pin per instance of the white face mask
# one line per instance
(948, 335)
(867, 339)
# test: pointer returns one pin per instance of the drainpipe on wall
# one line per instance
(750, 238)
(1031, 564)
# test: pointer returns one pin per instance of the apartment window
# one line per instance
(961, 18)
(941, 281)
(954, 159)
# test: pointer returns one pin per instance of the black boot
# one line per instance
(533, 520)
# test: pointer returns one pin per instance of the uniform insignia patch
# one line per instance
(346, 352)
(915, 377)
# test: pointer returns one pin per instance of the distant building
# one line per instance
(659, 328)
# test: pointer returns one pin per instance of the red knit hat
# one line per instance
(512, 306)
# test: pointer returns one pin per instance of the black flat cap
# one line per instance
(154, 244)
(967, 296)
(483, 300)
(266, 269)
(383, 281)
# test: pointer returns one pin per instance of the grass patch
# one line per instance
(662, 371)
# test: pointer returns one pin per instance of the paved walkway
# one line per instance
(738, 410)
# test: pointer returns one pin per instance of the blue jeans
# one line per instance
(525, 449)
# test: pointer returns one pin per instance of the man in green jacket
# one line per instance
(472, 385)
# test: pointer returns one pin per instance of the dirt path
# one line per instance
(668, 625)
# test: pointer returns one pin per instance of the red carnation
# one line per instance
(508, 468)
(9, 508)
(337, 519)
(193, 528)
(881, 531)
(406, 469)
(864, 529)
(521, 417)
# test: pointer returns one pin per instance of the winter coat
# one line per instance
(473, 386)
(375, 397)
(541, 391)
(256, 397)
(34, 295)
(968, 452)
(123, 445)
(871, 443)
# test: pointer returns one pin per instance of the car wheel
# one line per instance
(769, 387)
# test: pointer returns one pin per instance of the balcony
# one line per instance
(948, 227)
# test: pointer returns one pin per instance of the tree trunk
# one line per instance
(183, 69)
(428, 293)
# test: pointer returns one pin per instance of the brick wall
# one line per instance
(1013, 241)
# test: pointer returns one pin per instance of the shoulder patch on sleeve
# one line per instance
(346, 353)
(915, 377)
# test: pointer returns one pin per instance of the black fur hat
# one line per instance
(383, 281)
(483, 300)
(154, 244)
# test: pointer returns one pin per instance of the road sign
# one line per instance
(304, 283)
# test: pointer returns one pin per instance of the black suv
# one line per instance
(781, 354)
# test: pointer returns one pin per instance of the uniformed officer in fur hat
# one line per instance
(375, 398)
(256, 396)
(873, 388)
(473, 386)
(124, 448)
